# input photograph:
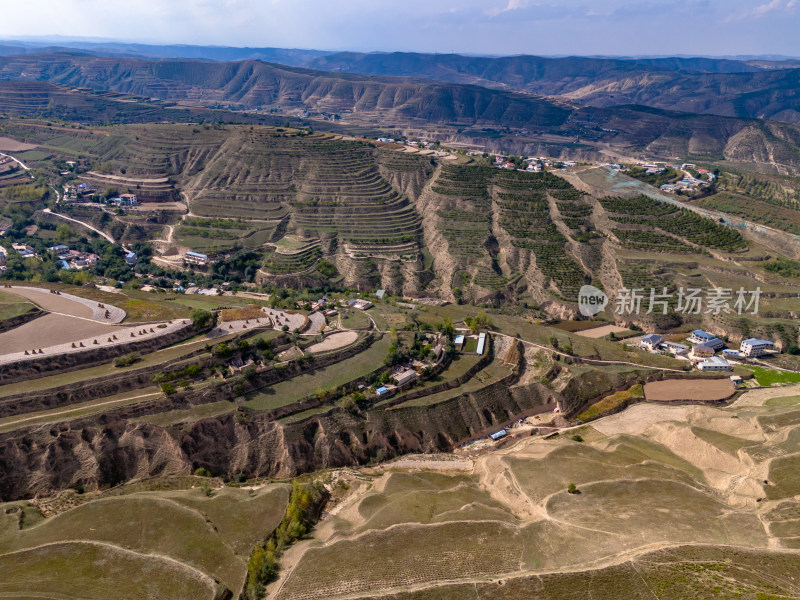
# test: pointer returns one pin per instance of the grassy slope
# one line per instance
(171, 542)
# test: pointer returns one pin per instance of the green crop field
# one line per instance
(768, 377)
(12, 305)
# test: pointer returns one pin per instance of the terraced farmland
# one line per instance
(645, 482)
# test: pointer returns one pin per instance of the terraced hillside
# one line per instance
(509, 235)
(318, 207)
(163, 538)
(664, 502)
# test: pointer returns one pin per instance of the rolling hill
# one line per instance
(708, 86)
(466, 114)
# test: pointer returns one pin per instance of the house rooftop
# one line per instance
(699, 333)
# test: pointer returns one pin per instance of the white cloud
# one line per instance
(763, 10)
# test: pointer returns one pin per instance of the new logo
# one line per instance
(591, 300)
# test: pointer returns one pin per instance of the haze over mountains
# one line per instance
(495, 119)
(748, 88)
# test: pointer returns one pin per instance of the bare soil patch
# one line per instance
(599, 332)
(334, 342)
(51, 330)
(67, 304)
(703, 390)
(8, 144)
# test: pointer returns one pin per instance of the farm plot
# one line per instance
(600, 332)
(11, 305)
(334, 341)
(218, 235)
(70, 305)
(704, 390)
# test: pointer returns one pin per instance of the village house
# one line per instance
(753, 347)
(715, 363)
(405, 377)
(698, 336)
(360, 304)
(24, 250)
(702, 351)
(675, 348)
(651, 342)
(195, 258)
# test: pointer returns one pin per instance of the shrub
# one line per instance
(127, 360)
(202, 472)
(572, 488)
(222, 350)
(167, 388)
(201, 318)
(577, 438)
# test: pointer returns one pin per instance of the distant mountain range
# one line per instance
(748, 88)
(468, 114)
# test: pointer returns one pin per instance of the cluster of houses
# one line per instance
(74, 259)
(703, 352)
(87, 191)
(24, 250)
(359, 303)
(124, 201)
(3, 257)
(534, 164)
(404, 375)
(470, 344)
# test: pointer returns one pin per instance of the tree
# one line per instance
(200, 318)
(167, 388)
(572, 489)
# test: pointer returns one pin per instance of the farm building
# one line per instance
(755, 347)
(196, 258)
(459, 342)
(675, 348)
(481, 344)
(702, 351)
(130, 258)
(498, 434)
(699, 336)
(360, 304)
(405, 377)
(382, 391)
(651, 342)
(715, 363)
(730, 353)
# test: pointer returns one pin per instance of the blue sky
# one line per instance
(612, 27)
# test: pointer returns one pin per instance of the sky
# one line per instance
(495, 27)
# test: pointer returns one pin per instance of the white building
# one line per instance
(752, 347)
(651, 342)
(715, 363)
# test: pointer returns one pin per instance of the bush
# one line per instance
(201, 318)
(167, 388)
(127, 360)
(577, 438)
(202, 472)
(572, 489)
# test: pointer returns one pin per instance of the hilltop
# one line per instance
(253, 91)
